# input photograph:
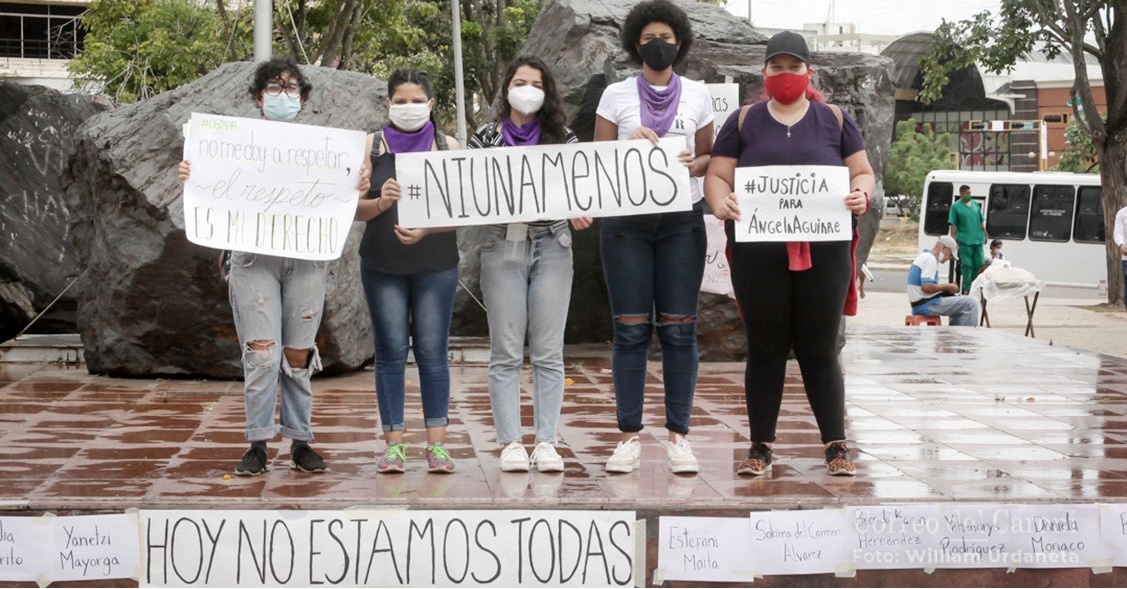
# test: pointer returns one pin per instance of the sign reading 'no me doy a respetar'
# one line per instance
(793, 203)
(534, 183)
(273, 188)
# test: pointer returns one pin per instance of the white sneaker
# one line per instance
(546, 459)
(514, 458)
(681, 459)
(627, 456)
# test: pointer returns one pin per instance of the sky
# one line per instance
(876, 17)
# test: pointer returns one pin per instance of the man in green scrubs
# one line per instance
(968, 227)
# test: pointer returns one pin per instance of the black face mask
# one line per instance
(658, 54)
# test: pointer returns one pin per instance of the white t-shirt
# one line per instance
(621, 105)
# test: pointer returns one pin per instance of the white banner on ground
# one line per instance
(265, 187)
(793, 203)
(387, 548)
(545, 182)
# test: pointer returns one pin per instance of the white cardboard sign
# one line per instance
(265, 187)
(793, 203)
(725, 101)
(717, 273)
(544, 182)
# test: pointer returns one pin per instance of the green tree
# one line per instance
(135, 49)
(1096, 28)
(915, 152)
(1081, 155)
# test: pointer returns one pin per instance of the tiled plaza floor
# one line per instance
(937, 414)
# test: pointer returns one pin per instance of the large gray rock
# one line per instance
(579, 40)
(149, 301)
(37, 128)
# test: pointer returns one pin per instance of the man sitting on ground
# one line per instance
(928, 297)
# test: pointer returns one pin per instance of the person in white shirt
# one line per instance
(653, 264)
(1120, 236)
(928, 296)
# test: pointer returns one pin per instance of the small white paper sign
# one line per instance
(971, 536)
(704, 549)
(543, 182)
(1113, 529)
(22, 553)
(94, 547)
(896, 536)
(265, 187)
(793, 203)
(725, 102)
(1055, 536)
(717, 273)
(800, 542)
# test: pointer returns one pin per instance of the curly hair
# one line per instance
(271, 70)
(553, 120)
(652, 11)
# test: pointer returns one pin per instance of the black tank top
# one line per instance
(381, 250)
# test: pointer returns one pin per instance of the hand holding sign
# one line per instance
(793, 203)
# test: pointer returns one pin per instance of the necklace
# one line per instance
(789, 121)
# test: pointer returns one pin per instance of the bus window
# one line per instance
(1008, 212)
(1050, 217)
(1089, 216)
(940, 195)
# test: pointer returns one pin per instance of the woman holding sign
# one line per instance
(653, 264)
(791, 294)
(277, 304)
(409, 278)
(526, 276)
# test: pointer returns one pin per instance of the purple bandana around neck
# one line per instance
(658, 108)
(526, 134)
(400, 142)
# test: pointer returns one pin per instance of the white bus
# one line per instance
(1050, 223)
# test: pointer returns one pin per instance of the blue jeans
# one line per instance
(653, 266)
(962, 309)
(419, 307)
(277, 302)
(527, 288)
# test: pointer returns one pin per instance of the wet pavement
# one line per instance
(936, 414)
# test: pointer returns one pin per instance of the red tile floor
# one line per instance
(937, 414)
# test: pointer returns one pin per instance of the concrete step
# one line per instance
(63, 349)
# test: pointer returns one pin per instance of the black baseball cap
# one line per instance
(789, 43)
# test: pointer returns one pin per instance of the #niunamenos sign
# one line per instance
(272, 188)
(546, 182)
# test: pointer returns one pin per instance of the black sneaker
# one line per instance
(758, 460)
(253, 462)
(303, 458)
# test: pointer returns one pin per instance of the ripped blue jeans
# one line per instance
(653, 266)
(277, 304)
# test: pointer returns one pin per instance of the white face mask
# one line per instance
(526, 100)
(409, 117)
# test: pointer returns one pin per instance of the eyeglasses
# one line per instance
(293, 89)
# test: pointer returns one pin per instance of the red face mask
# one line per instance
(786, 87)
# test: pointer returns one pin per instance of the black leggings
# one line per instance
(782, 308)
